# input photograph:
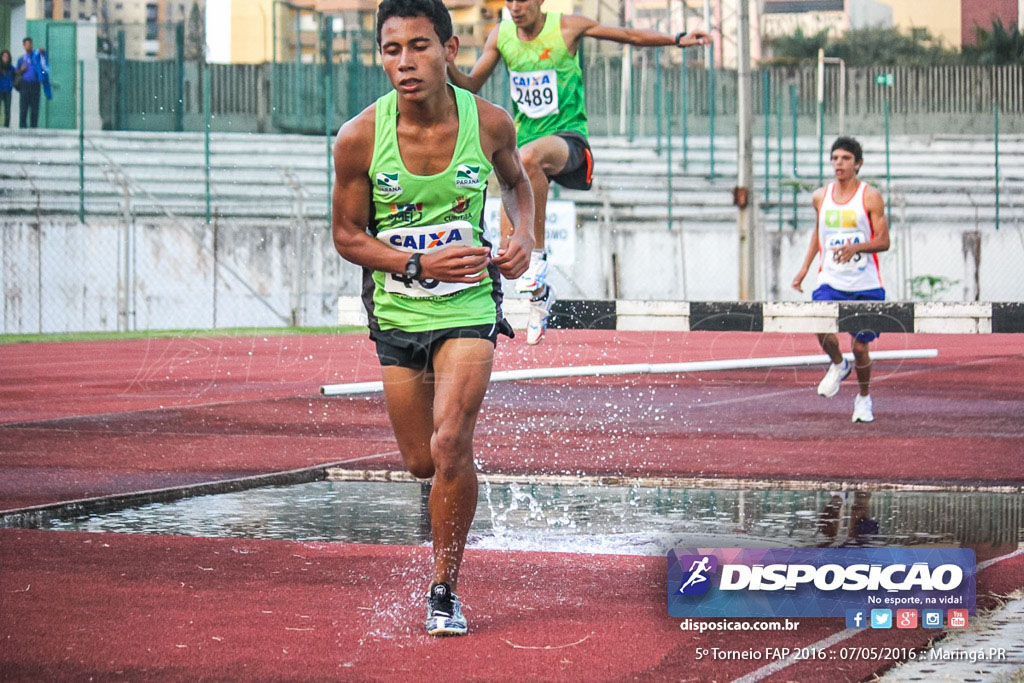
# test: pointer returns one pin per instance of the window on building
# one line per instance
(152, 21)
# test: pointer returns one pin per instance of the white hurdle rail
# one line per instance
(645, 369)
(732, 316)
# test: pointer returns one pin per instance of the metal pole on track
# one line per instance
(794, 103)
(711, 112)
(778, 123)
(766, 108)
(206, 138)
(645, 369)
(995, 107)
(744, 193)
(658, 94)
(684, 109)
(821, 117)
(81, 141)
(328, 36)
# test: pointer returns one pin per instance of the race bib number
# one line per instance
(837, 239)
(426, 239)
(535, 92)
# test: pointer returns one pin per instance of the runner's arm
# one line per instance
(577, 26)
(350, 215)
(812, 249)
(516, 194)
(880, 227)
(483, 68)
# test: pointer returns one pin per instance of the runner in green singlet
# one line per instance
(541, 51)
(411, 178)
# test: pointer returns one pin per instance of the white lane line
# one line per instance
(777, 666)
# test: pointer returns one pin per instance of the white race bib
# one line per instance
(535, 92)
(836, 239)
(425, 239)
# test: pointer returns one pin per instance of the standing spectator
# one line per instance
(6, 85)
(35, 75)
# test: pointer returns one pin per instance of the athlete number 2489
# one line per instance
(534, 96)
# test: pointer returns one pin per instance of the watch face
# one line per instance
(412, 267)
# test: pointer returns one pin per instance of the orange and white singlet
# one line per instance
(840, 224)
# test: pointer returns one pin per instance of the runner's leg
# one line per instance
(410, 398)
(462, 371)
(863, 364)
(543, 157)
(830, 345)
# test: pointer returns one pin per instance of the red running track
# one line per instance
(83, 606)
(90, 419)
(101, 418)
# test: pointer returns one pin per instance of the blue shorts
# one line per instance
(826, 293)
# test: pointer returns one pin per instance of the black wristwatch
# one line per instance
(680, 36)
(413, 269)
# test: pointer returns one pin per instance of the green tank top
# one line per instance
(415, 213)
(545, 80)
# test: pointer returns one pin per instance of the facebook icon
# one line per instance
(856, 618)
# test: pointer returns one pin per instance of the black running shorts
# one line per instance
(578, 173)
(415, 350)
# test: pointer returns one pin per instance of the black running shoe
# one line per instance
(444, 613)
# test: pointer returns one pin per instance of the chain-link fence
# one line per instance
(176, 233)
(181, 215)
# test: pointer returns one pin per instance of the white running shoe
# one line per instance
(862, 409)
(837, 372)
(536, 276)
(540, 308)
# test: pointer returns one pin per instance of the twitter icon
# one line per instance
(881, 618)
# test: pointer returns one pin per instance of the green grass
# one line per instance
(171, 334)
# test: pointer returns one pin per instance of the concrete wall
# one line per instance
(64, 276)
(59, 276)
(940, 17)
(864, 13)
(18, 31)
(252, 33)
(86, 47)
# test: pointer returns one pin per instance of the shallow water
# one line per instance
(586, 519)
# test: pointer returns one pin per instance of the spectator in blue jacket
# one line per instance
(6, 85)
(35, 77)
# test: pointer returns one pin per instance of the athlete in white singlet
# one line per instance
(851, 229)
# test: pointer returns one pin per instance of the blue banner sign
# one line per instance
(817, 582)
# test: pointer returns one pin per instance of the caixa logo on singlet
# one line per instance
(697, 578)
(387, 183)
(533, 80)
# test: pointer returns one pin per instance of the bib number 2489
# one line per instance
(535, 92)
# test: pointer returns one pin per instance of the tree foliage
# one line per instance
(871, 46)
(798, 47)
(195, 35)
(876, 46)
